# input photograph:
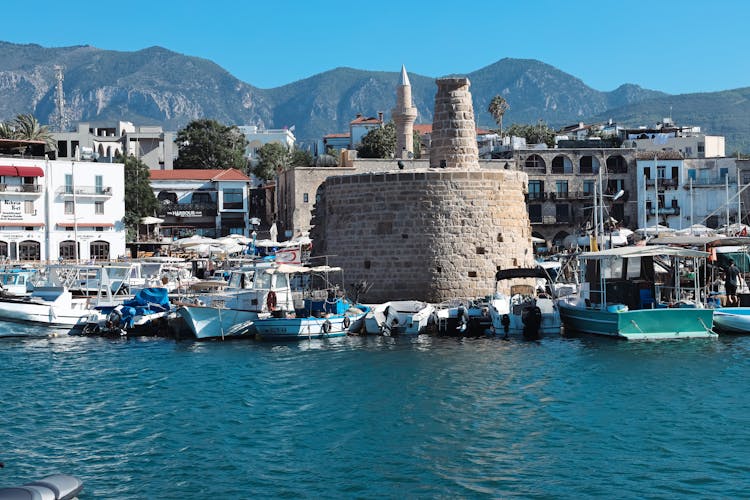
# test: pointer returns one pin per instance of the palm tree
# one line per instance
(6, 130)
(26, 127)
(498, 107)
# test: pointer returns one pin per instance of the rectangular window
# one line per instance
(232, 199)
(647, 172)
(99, 207)
(723, 172)
(99, 185)
(661, 172)
(69, 207)
(305, 197)
(691, 174)
(588, 188)
(68, 183)
(535, 190)
(561, 189)
(28, 207)
(535, 213)
(562, 212)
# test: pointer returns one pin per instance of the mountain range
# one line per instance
(158, 86)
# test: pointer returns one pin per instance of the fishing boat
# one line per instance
(18, 282)
(400, 317)
(527, 310)
(325, 310)
(732, 319)
(636, 293)
(222, 309)
(53, 487)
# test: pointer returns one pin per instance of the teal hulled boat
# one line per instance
(636, 293)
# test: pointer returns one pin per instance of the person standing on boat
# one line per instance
(730, 285)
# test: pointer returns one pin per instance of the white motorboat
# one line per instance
(400, 317)
(524, 310)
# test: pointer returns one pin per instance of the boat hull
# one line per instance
(44, 314)
(732, 319)
(642, 324)
(299, 328)
(213, 322)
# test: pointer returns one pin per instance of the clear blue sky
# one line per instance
(669, 45)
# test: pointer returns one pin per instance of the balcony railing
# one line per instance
(20, 188)
(188, 210)
(719, 180)
(85, 191)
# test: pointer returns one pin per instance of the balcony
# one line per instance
(32, 189)
(718, 180)
(188, 210)
(87, 191)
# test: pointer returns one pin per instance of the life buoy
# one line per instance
(347, 322)
(271, 300)
(326, 326)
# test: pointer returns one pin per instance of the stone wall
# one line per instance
(454, 133)
(427, 234)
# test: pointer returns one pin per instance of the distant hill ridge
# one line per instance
(158, 86)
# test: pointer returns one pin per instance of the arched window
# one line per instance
(68, 250)
(588, 165)
(3, 250)
(99, 250)
(29, 250)
(616, 164)
(535, 162)
(561, 164)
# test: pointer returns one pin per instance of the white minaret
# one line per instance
(404, 115)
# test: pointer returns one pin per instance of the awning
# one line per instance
(30, 172)
(11, 171)
(85, 224)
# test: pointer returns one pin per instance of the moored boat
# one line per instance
(400, 317)
(732, 319)
(524, 310)
(623, 294)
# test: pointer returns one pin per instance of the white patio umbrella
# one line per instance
(193, 240)
(274, 231)
(151, 220)
(239, 238)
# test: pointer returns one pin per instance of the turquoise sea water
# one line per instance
(379, 417)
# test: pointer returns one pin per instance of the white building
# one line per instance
(103, 141)
(46, 206)
(683, 192)
(665, 136)
(208, 202)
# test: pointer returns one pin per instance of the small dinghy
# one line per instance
(54, 487)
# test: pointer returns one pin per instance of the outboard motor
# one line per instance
(532, 320)
(505, 321)
(462, 318)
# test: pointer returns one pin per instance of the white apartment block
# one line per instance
(47, 206)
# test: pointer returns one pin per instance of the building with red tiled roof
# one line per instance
(209, 202)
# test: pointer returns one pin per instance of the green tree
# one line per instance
(272, 157)
(534, 134)
(209, 144)
(301, 158)
(25, 127)
(497, 108)
(139, 197)
(379, 142)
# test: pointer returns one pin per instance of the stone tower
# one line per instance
(404, 115)
(430, 234)
(454, 134)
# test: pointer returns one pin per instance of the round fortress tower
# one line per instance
(430, 234)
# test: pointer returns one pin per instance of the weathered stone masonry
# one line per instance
(430, 235)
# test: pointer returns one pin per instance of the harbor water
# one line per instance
(378, 417)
